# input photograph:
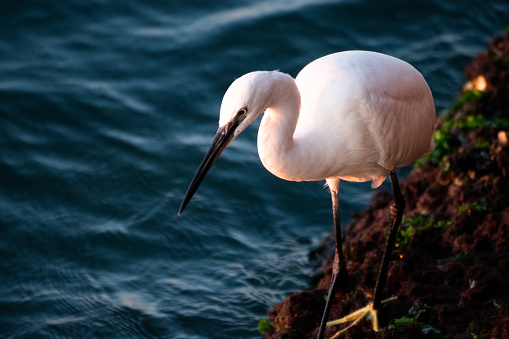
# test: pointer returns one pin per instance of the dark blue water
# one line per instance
(106, 110)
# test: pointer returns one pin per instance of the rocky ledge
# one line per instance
(450, 266)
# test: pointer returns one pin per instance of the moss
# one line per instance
(398, 325)
(472, 95)
(410, 226)
(480, 206)
(447, 142)
(264, 325)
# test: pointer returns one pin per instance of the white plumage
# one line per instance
(352, 116)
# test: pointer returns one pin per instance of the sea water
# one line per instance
(106, 110)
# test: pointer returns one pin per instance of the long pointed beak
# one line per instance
(223, 137)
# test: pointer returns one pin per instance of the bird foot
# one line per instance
(367, 312)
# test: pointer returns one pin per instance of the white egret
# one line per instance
(353, 116)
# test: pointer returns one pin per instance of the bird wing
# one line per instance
(369, 112)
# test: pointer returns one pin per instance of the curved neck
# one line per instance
(276, 145)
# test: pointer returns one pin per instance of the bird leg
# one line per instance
(396, 215)
(339, 273)
(371, 311)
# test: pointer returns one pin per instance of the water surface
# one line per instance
(106, 110)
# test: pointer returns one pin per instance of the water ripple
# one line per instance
(107, 109)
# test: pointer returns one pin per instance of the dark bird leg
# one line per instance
(371, 311)
(396, 215)
(339, 273)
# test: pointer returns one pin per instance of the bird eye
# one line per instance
(242, 112)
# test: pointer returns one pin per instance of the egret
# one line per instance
(353, 116)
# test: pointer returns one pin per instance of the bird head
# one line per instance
(246, 98)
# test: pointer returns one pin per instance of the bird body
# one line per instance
(352, 116)
(372, 113)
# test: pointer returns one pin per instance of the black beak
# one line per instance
(223, 137)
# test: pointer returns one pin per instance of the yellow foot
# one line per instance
(366, 312)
